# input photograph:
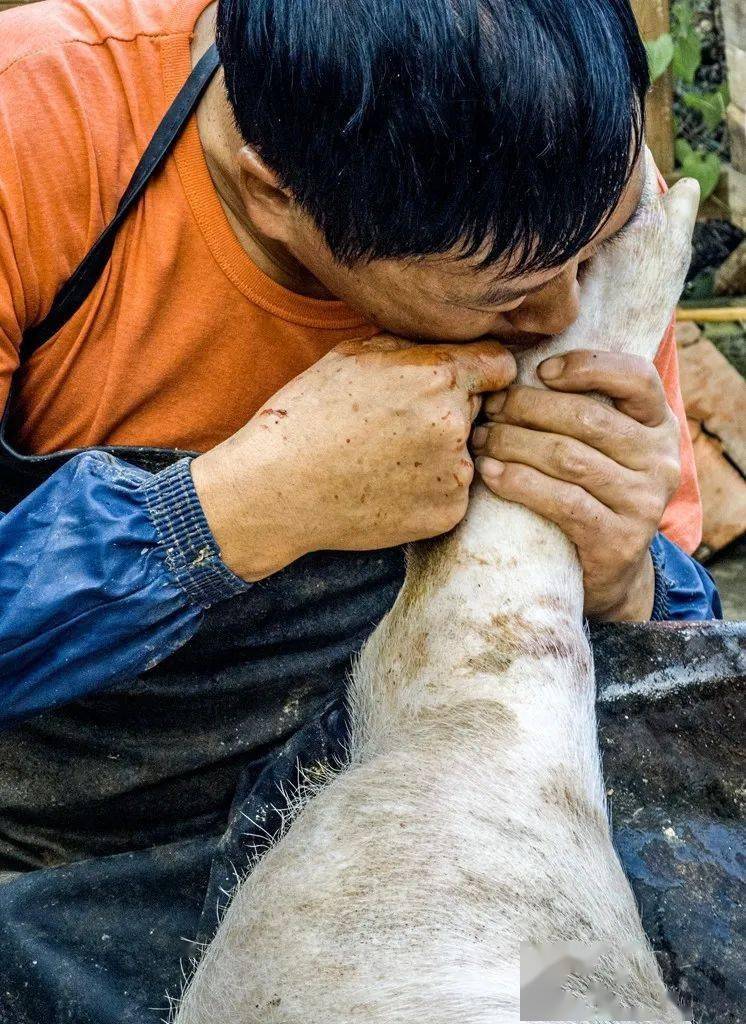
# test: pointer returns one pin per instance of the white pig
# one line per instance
(470, 820)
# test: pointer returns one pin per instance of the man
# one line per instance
(374, 205)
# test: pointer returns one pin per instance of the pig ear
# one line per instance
(680, 206)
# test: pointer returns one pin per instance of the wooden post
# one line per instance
(734, 24)
(653, 19)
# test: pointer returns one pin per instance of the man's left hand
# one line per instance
(604, 474)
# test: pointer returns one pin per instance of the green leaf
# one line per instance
(660, 54)
(687, 56)
(710, 105)
(683, 150)
(705, 167)
(721, 332)
(682, 15)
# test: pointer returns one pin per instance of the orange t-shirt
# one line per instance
(183, 338)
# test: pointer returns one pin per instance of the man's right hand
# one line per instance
(366, 449)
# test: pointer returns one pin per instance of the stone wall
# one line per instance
(734, 24)
(714, 397)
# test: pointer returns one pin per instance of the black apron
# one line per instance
(150, 836)
(150, 789)
(180, 739)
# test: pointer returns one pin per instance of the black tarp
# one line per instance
(105, 941)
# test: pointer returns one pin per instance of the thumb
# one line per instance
(483, 366)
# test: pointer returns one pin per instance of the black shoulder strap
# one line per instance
(76, 290)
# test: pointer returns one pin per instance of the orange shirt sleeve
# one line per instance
(48, 212)
(682, 520)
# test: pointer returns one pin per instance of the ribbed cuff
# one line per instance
(191, 552)
(661, 610)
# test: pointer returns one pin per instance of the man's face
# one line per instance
(447, 299)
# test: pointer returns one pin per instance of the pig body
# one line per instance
(470, 818)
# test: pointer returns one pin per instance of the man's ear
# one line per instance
(268, 205)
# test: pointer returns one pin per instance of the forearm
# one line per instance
(105, 570)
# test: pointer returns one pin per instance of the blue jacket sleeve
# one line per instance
(684, 589)
(104, 571)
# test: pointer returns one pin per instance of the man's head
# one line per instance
(442, 165)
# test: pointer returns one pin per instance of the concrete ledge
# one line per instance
(642, 662)
(672, 723)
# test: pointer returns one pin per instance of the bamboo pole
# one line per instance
(711, 315)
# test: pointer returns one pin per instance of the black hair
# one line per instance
(406, 128)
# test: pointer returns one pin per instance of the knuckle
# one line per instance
(460, 426)
(495, 439)
(625, 430)
(455, 477)
(512, 476)
(436, 378)
(649, 375)
(568, 459)
(579, 507)
(512, 402)
(512, 409)
(593, 419)
(464, 473)
(449, 372)
(671, 472)
(649, 509)
(601, 477)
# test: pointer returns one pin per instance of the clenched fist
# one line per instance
(366, 449)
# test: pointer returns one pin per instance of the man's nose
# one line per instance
(551, 310)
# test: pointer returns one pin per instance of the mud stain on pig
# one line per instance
(491, 661)
(430, 564)
(563, 794)
(509, 636)
(455, 724)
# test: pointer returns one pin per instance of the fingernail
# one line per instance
(489, 468)
(479, 437)
(496, 402)
(552, 368)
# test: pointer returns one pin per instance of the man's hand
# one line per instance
(366, 449)
(603, 474)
